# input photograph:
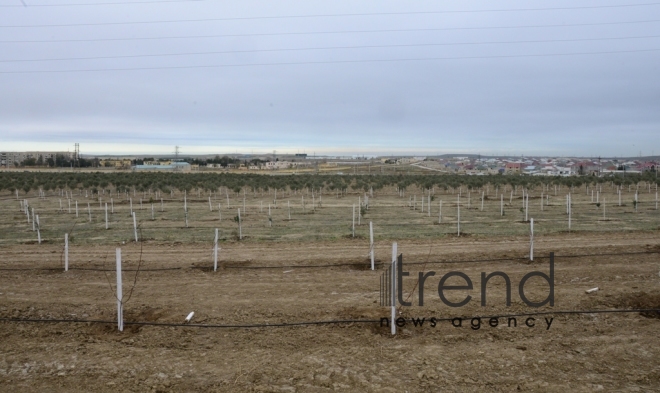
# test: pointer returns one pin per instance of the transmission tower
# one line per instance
(76, 154)
(176, 153)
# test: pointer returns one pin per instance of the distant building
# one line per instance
(513, 167)
(174, 166)
(13, 158)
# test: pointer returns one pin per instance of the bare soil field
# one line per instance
(273, 283)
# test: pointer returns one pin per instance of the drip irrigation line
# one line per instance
(356, 264)
(539, 257)
(328, 322)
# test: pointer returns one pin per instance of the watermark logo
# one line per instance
(392, 294)
(387, 289)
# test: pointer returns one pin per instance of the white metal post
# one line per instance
(526, 203)
(106, 215)
(38, 229)
(240, 229)
(135, 227)
(371, 243)
(531, 239)
(66, 252)
(120, 294)
(569, 211)
(440, 212)
(353, 220)
(393, 288)
(210, 206)
(130, 200)
(215, 251)
(33, 223)
(501, 204)
(458, 215)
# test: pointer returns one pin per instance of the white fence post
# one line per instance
(38, 229)
(526, 202)
(531, 239)
(210, 206)
(569, 212)
(215, 251)
(240, 229)
(106, 215)
(120, 295)
(501, 204)
(135, 228)
(458, 216)
(33, 221)
(353, 220)
(371, 243)
(440, 212)
(393, 288)
(66, 252)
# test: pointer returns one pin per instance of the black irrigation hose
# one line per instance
(341, 264)
(539, 257)
(330, 322)
(90, 269)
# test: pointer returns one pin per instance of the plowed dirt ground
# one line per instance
(263, 283)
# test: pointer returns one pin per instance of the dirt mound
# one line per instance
(641, 301)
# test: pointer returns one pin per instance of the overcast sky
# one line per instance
(303, 76)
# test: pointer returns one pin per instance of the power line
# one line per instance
(331, 32)
(329, 48)
(339, 15)
(93, 4)
(327, 62)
